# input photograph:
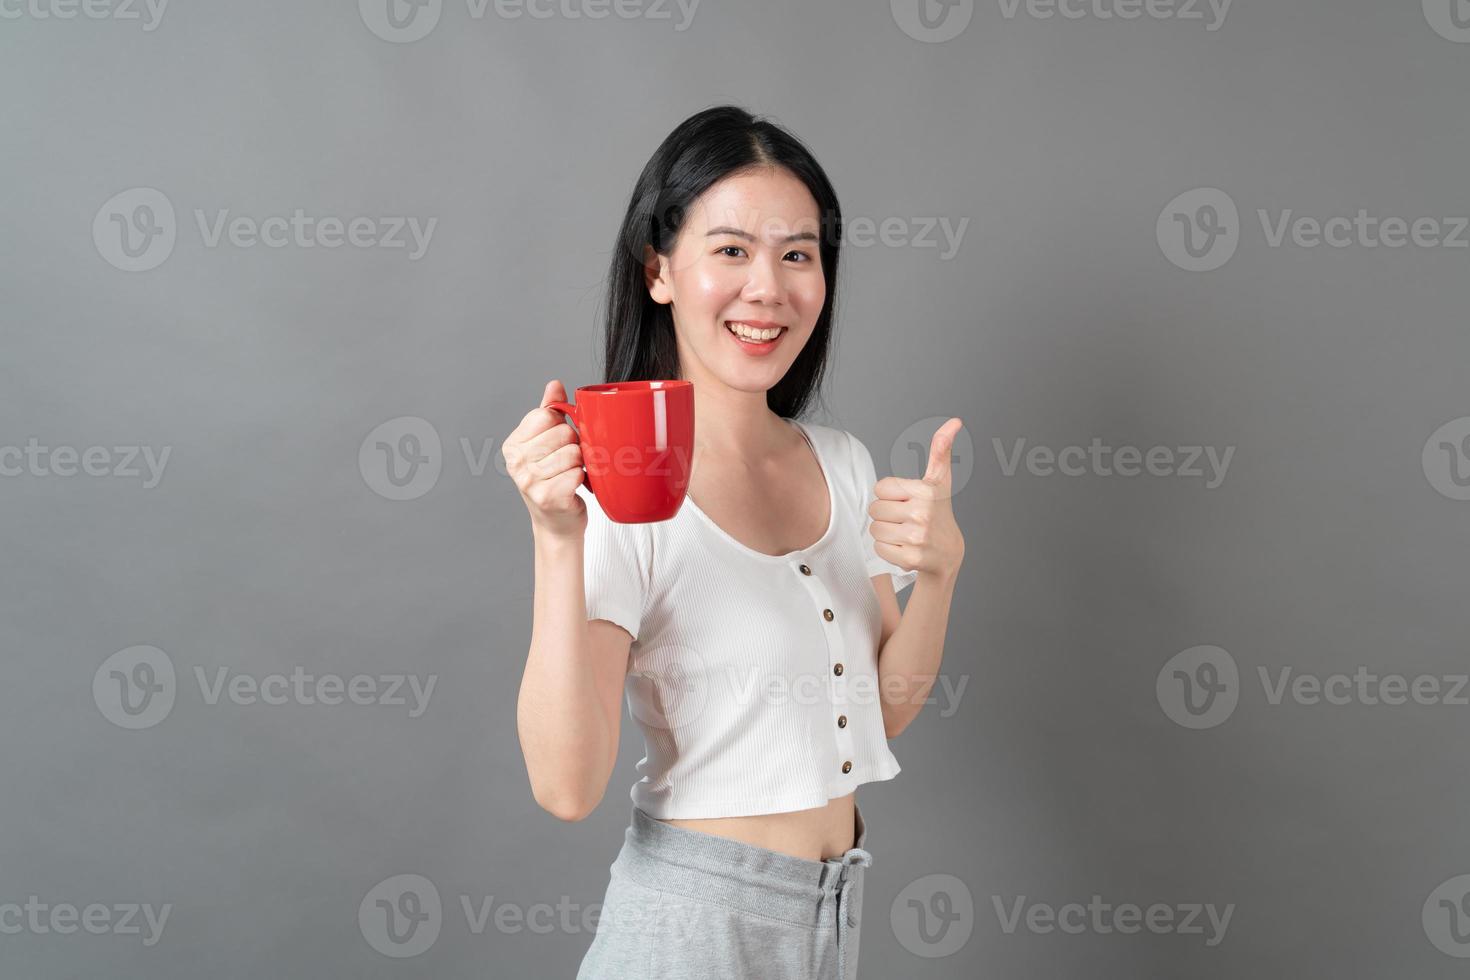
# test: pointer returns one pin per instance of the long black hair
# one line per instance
(706, 147)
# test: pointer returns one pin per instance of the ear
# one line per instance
(655, 276)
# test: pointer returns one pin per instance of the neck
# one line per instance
(729, 422)
(735, 423)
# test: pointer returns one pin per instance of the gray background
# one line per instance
(267, 547)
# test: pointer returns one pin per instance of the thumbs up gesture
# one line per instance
(913, 522)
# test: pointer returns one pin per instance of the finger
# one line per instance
(890, 533)
(893, 511)
(902, 488)
(901, 555)
(938, 471)
(543, 443)
(559, 494)
(553, 392)
(535, 422)
(890, 488)
(555, 464)
(567, 482)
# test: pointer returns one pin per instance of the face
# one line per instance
(746, 261)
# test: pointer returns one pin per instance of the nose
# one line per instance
(764, 283)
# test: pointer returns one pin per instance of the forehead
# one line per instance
(770, 203)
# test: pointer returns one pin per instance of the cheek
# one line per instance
(711, 289)
(809, 297)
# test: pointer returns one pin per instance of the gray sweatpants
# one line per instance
(686, 905)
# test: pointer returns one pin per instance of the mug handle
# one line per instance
(570, 411)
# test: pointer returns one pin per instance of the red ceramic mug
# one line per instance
(637, 441)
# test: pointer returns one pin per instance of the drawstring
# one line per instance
(862, 859)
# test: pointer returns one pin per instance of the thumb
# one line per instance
(937, 473)
(554, 392)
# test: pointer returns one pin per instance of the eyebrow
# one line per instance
(800, 236)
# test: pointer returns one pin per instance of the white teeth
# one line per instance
(751, 333)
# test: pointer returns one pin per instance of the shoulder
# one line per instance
(835, 443)
(845, 450)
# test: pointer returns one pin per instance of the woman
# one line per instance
(756, 633)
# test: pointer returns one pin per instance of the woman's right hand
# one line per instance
(544, 458)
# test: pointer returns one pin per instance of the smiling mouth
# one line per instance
(754, 335)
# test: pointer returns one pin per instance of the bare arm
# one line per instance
(568, 709)
(568, 712)
(914, 527)
(912, 646)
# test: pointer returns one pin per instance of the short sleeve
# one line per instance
(866, 477)
(615, 571)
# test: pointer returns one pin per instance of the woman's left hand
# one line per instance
(913, 523)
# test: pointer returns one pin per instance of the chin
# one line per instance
(752, 385)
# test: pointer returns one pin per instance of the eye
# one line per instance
(802, 256)
(723, 249)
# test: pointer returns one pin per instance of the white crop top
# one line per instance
(753, 677)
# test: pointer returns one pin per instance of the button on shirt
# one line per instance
(753, 677)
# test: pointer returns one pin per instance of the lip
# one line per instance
(755, 350)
